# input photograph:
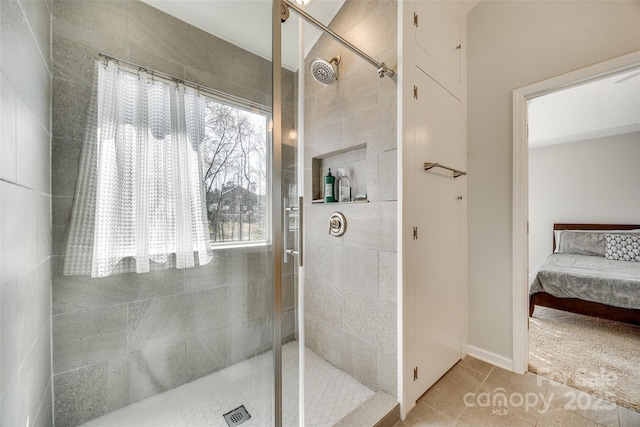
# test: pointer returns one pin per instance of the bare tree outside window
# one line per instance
(235, 160)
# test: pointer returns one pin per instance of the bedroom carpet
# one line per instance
(598, 356)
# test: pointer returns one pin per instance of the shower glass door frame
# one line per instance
(280, 229)
(276, 208)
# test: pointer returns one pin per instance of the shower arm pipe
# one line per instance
(381, 67)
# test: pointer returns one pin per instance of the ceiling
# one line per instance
(605, 107)
(247, 23)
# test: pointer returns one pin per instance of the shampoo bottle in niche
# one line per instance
(344, 187)
(329, 181)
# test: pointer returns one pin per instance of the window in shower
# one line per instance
(235, 173)
(168, 170)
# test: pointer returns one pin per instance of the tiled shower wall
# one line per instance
(120, 339)
(25, 213)
(350, 303)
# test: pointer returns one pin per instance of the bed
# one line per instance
(586, 273)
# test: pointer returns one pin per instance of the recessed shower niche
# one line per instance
(353, 160)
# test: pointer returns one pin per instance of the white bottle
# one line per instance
(344, 187)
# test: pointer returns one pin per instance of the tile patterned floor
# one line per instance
(330, 395)
(471, 393)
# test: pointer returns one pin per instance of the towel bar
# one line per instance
(456, 172)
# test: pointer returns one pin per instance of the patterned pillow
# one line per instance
(623, 247)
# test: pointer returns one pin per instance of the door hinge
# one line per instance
(415, 92)
(415, 19)
(415, 373)
(527, 131)
(415, 233)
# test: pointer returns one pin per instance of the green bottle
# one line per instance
(329, 181)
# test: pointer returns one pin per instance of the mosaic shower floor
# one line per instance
(330, 395)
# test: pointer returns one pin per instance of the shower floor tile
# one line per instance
(330, 395)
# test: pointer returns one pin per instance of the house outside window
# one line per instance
(235, 173)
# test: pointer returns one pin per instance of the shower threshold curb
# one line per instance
(380, 410)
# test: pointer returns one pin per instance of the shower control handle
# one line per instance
(337, 224)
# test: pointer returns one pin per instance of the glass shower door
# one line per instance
(191, 346)
(286, 161)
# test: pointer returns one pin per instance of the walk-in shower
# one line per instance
(251, 328)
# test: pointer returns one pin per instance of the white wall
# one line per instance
(511, 45)
(593, 181)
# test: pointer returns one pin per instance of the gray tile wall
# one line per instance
(120, 339)
(25, 213)
(350, 304)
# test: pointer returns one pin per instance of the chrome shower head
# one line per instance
(323, 71)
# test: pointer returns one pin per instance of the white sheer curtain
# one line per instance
(140, 202)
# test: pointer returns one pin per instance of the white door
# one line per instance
(438, 37)
(437, 259)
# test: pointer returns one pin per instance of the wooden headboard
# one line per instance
(591, 227)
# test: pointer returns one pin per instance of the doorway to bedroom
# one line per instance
(583, 145)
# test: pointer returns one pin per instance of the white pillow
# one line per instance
(585, 242)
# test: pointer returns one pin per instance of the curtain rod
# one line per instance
(236, 100)
(381, 67)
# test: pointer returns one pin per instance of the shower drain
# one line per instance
(237, 416)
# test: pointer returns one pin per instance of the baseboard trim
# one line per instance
(490, 357)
